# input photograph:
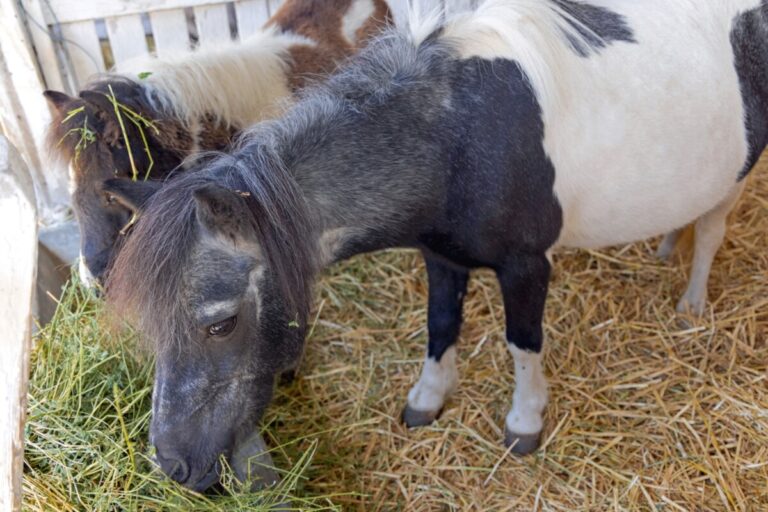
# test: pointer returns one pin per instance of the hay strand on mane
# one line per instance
(140, 122)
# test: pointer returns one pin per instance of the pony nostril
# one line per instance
(175, 467)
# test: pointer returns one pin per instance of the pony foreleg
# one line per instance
(439, 377)
(524, 286)
(709, 234)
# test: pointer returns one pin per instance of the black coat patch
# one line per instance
(749, 39)
(599, 27)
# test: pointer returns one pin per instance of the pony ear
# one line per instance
(57, 100)
(220, 209)
(132, 194)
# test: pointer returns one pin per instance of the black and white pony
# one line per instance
(485, 141)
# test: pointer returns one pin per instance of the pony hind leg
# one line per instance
(709, 233)
(439, 376)
(524, 287)
(668, 244)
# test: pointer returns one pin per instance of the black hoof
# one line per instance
(524, 444)
(415, 418)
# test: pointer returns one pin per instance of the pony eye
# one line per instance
(222, 328)
(111, 199)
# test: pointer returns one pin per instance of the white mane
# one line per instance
(538, 34)
(239, 83)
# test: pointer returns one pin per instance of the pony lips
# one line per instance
(252, 462)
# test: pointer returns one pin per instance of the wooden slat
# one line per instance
(169, 29)
(84, 50)
(126, 37)
(80, 10)
(212, 23)
(251, 16)
(23, 110)
(18, 257)
(45, 49)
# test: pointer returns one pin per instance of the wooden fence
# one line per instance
(18, 261)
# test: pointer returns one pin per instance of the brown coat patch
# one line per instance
(322, 21)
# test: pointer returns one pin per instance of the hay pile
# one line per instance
(644, 413)
(88, 421)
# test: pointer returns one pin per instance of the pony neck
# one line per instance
(366, 188)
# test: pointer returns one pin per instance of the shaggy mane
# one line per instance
(146, 280)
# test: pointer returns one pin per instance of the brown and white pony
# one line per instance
(130, 129)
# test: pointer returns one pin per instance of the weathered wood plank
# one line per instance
(44, 45)
(251, 16)
(80, 10)
(169, 29)
(212, 23)
(126, 37)
(18, 263)
(23, 110)
(84, 50)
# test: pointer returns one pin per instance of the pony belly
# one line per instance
(651, 139)
(647, 201)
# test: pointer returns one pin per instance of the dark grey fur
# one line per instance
(749, 39)
(598, 27)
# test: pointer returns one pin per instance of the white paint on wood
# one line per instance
(23, 110)
(169, 29)
(44, 46)
(78, 10)
(84, 50)
(18, 261)
(126, 37)
(251, 16)
(212, 23)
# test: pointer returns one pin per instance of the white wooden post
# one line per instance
(170, 31)
(251, 16)
(18, 267)
(44, 45)
(212, 23)
(24, 113)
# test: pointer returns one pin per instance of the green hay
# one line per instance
(87, 429)
(87, 136)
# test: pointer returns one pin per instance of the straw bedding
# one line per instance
(648, 410)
